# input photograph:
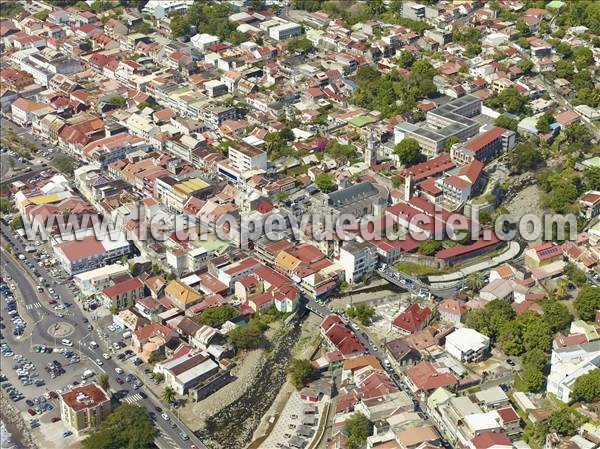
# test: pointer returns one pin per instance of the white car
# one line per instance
(67, 342)
(106, 356)
(99, 362)
(119, 370)
(165, 416)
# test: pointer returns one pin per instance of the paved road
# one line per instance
(562, 101)
(45, 317)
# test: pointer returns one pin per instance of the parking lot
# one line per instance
(298, 421)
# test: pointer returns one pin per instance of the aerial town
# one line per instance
(300, 224)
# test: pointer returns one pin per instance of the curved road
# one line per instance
(42, 318)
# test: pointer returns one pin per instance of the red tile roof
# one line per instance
(489, 439)
(425, 376)
(122, 287)
(508, 414)
(78, 249)
(478, 142)
(91, 395)
(413, 318)
(428, 168)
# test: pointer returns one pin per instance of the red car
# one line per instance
(31, 411)
(52, 301)
(120, 381)
(53, 394)
(55, 419)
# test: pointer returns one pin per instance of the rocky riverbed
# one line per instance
(233, 426)
(14, 424)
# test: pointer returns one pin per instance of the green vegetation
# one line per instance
(430, 247)
(362, 312)
(10, 10)
(143, 28)
(168, 395)
(543, 122)
(325, 182)
(300, 371)
(358, 429)
(208, 17)
(103, 381)
(409, 151)
(5, 205)
(525, 157)
(470, 37)
(587, 387)
(338, 151)
(246, 338)
(300, 45)
(117, 101)
(417, 269)
(587, 302)
(391, 93)
(216, 316)
(528, 334)
(42, 15)
(506, 122)
(129, 426)
(17, 222)
(535, 434)
(475, 281)
(562, 188)
(565, 422)
(64, 164)
(508, 100)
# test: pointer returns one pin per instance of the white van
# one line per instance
(127, 334)
(93, 344)
(67, 342)
(87, 374)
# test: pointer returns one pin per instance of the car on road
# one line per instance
(55, 419)
(106, 356)
(67, 342)
(119, 370)
(67, 434)
(184, 436)
(119, 381)
(165, 416)
(99, 362)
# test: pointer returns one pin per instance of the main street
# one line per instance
(42, 318)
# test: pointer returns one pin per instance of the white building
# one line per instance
(164, 8)
(568, 364)
(244, 157)
(467, 345)
(285, 31)
(358, 259)
(94, 281)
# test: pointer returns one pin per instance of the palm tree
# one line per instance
(562, 286)
(475, 281)
(103, 381)
(168, 395)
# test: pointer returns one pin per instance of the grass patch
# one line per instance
(418, 269)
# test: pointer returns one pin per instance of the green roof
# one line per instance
(592, 162)
(555, 4)
(361, 121)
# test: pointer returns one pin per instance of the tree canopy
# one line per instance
(325, 182)
(587, 302)
(64, 164)
(128, 427)
(362, 312)
(246, 338)
(393, 93)
(409, 151)
(300, 371)
(587, 387)
(216, 316)
(358, 429)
